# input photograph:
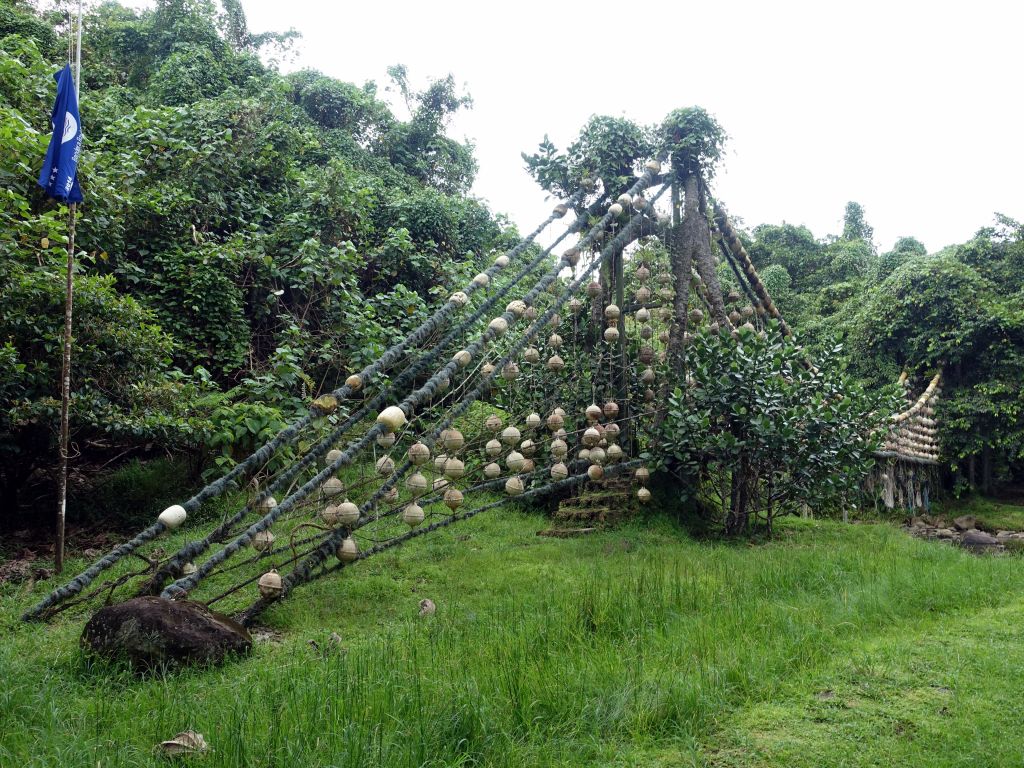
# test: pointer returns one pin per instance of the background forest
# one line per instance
(250, 238)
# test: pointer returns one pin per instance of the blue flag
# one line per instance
(59, 176)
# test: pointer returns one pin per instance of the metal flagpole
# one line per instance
(65, 394)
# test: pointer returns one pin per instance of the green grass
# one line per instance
(832, 645)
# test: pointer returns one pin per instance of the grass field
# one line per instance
(832, 645)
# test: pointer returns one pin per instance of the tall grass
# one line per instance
(542, 653)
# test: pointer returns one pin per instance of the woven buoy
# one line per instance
(663, 337)
(643, 315)
(439, 461)
(453, 498)
(531, 313)
(735, 317)
(558, 448)
(560, 210)
(459, 299)
(454, 468)
(571, 256)
(528, 448)
(463, 358)
(533, 421)
(347, 513)
(413, 515)
(385, 466)
(611, 334)
(575, 305)
(648, 376)
(583, 454)
(591, 437)
(493, 422)
(510, 436)
(332, 487)
(386, 439)
(528, 466)
(653, 166)
(646, 332)
(440, 483)
(329, 515)
(696, 315)
(555, 363)
(270, 585)
(354, 382)
(594, 289)
(263, 541)
(514, 461)
(347, 551)
(332, 456)
(419, 454)
(611, 409)
(598, 456)
(665, 314)
(392, 417)
(714, 328)
(649, 395)
(482, 279)
(531, 355)
(643, 495)
(555, 421)
(748, 326)
(514, 486)
(642, 273)
(611, 431)
(487, 369)
(614, 452)
(453, 440)
(642, 475)
(611, 312)
(615, 210)
(501, 262)
(417, 485)
(492, 470)
(517, 307)
(733, 296)
(560, 411)
(554, 341)
(559, 471)
(593, 412)
(493, 448)
(173, 516)
(747, 311)
(498, 325)
(510, 372)
(646, 355)
(625, 200)
(594, 472)
(188, 568)
(639, 203)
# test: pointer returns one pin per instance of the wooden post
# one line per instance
(65, 395)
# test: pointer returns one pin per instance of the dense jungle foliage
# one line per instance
(249, 238)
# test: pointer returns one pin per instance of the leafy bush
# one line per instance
(760, 431)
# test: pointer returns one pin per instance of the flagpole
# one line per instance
(65, 391)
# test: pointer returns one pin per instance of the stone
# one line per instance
(946, 533)
(965, 522)
(152, 631)
(427, 607)
(978, 540)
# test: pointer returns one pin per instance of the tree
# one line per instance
(757, 432)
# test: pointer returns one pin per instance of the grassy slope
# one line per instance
(833, 645)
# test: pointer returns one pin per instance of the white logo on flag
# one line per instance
(70, 128)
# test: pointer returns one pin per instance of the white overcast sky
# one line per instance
(912, 109)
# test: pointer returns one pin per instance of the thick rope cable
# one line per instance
(196, 548)
(427, 391)
(289, 433)
(731, 240)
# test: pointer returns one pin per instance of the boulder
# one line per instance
(978, 540)
(965, 522)
(153, 631)
(946, 533)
